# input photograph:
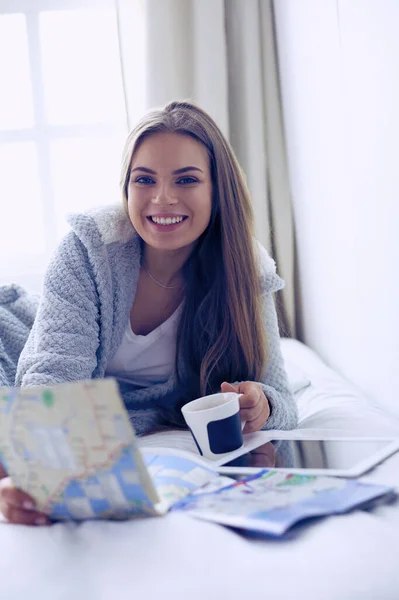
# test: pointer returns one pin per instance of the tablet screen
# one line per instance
(309, 454)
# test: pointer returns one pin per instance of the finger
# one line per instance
(228, 387)
(256, 424)
(256, 417)
(15, 497)
(251, 399)
(19, 516)
(249, 387)
(250, 414)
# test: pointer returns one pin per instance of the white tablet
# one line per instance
(345, 457)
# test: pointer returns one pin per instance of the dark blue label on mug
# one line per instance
(225, 435)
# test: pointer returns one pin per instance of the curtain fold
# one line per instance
(222, 55)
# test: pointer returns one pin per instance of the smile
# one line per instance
(167, 220)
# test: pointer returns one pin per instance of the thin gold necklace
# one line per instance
(165, 287)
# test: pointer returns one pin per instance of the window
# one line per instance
(62, 124)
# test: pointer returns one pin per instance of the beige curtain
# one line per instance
(222, 55)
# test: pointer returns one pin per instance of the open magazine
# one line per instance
(72, 447)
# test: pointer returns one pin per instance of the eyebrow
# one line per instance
(176, 172)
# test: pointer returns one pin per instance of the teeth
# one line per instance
(167, 220)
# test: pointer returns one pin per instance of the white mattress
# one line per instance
(355, 556)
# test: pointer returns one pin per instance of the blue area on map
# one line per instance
(74, 490)
(178, 463)
(60, 511)
(325, 502)
(133, 492)
(100, 505)
(6, 402)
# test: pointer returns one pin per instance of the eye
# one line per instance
(186, 180)
(144, 180)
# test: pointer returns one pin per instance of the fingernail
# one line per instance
(41, 521)
(28, 505)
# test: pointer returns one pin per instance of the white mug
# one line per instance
(215, 423)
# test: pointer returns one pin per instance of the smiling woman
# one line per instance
(171, 294)
(175, 183)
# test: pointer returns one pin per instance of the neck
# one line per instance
(166, 266)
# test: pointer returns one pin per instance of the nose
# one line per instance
(164, 196)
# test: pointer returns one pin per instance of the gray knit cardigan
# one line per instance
(88, 292)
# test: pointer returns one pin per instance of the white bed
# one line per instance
(355, 556)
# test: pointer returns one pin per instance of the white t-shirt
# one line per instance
(146, 360)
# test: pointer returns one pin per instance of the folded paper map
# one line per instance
(272, 501)
(73, 449)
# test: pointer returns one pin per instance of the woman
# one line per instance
(170, 294)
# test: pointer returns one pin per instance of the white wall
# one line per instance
(339, 62)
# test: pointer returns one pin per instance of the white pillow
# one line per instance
(297, 378)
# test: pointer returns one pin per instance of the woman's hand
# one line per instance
(17, 507)
(254, 406)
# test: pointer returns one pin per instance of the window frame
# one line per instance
(29, 268)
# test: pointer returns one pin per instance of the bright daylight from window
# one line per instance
(62, 124)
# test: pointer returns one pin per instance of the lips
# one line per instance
(166, 222)
(169, 220)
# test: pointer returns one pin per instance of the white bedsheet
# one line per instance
(330, 402)
(355, 556)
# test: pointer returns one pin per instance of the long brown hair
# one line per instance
(221, 334)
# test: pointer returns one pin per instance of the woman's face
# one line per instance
(170, 191)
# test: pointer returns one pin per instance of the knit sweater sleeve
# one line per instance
(274, 381)
(64, 339)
